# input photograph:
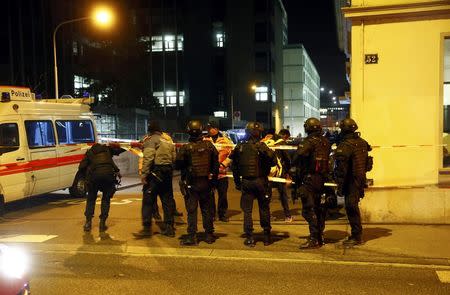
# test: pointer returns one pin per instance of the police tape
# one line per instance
(286, 180)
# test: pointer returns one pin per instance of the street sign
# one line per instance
(237, 115)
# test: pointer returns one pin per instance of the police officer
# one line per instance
(100, 171)
(352, 163)
(252, 160)
(224, 147)
(199, 165)
(311, 162)
(156, 175)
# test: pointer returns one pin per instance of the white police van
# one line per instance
(41, 142)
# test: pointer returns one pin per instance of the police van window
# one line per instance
(75, 131)
(9, 137)
(40, 134)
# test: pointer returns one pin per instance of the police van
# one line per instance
(41, 142)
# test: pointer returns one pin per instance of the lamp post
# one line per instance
(101, 16)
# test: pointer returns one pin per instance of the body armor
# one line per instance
(200, 159)
(249, 164)
(101, 162)
(359, 156)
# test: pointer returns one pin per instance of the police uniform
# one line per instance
(352, 163)
(252, 160)
(311, 162)
(157, 172)
(100, 171)
(199, 165)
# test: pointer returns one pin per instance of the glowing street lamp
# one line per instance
(102, 16)
(330, 92)
(322, 89)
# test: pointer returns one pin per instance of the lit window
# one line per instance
(261, 93)
(220, 114)
(220, 38)
(169, 42)
(75, 48)
(81, 83)
(171, 98)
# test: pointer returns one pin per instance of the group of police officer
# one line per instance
(203, 169)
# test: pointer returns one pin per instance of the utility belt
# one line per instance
(159, 172)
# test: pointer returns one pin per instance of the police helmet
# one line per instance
(254, 128)
(312, 125)
(348, 125)
(194, 128)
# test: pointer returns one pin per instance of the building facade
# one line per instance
(301, 88)
(399, 81)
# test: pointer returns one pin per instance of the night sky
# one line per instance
(313, 24)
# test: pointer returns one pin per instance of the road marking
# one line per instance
(444, 276)
(228, 255)
(27, 238)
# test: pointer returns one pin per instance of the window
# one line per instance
(9, 137)
(219, 35)
(169, 42)
(261, 32)
(40, 134)
(81, 83)
(220, 38)
(261, 62)
(74, 48)
(446, 100)
(171, 98)
(71, 132)
(261, 93)
(220, 114)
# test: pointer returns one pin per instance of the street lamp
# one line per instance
(330, 92)
(101, 16)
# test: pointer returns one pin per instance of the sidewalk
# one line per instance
(424, 244)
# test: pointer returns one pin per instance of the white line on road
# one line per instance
(27, 238)
(444, 276)
(235, 255)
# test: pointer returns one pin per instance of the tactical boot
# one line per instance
(169, 231)
(88, 225)
(223, 219)
(146, 232)
(353, 240)
(311, 243)
(210, 238)
(102, 226)
(267, 238)
(190, 240)
(249, 241)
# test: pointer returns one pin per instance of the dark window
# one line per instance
(71, 132)
(260, 6)
(261, 117)
(40, 134)
(9, 137)
(260, 61)
(261, 32)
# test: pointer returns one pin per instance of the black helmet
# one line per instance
(194, 128)
(312, 125)
(153, 126)
(254, 129)
(348, 125)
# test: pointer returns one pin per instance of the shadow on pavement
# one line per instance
(231, 213)
(375, 233)
(334, 236)
(276, 236)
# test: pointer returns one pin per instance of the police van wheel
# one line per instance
(78, 188)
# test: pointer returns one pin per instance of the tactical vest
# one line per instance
(101, 162)
(319, 161)
(200, 154)
(359, 156)
(249, 164)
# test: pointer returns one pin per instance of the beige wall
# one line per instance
(399, 101)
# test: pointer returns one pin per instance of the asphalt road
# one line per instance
(64, 260)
